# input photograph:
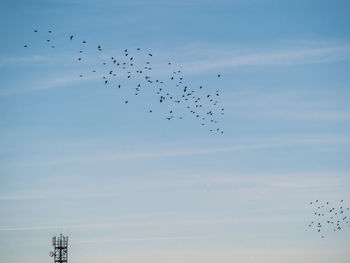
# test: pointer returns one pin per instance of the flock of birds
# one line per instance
(134, 66)
(328, 217)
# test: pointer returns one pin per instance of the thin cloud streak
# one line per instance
(284, 57)
(58, 82)
(165, 223)
(4, 61)
(301, 104)
(135, 239)
(18, 197)
(241, 183)
(172, 153)
(304, 115)
(112, 156)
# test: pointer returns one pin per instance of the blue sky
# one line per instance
(129, 186)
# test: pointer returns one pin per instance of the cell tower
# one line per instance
(60, 249)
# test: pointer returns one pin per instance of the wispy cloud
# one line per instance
(61, 81)
(242, 183)
(140, 239)
(164, 222)
(55, 195)
(305, 115)
(20, 59)
(155, 3)
(300, 103)
(196, 59)
(173, 151)
(294, 142)
(280, 57)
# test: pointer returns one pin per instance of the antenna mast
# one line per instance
(60, 249)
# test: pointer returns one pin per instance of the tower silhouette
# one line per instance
(60, 249)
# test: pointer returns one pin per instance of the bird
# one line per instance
(71, 37)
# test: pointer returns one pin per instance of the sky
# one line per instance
(128, 186)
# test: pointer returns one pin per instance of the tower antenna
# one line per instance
(60, 249)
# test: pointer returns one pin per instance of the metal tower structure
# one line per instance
(60, 249)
